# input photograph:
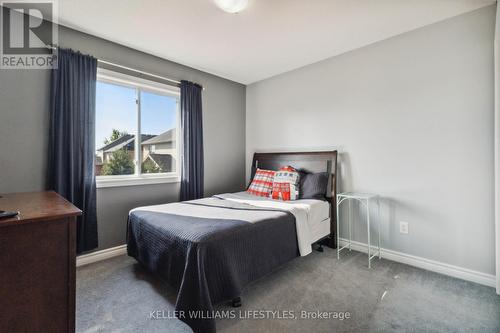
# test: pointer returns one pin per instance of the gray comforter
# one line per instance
(209, 259)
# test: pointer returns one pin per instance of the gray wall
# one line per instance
(413, 119)
(497, 147)
(24, 104)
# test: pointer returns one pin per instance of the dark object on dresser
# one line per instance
(4, 214)
(37, 263)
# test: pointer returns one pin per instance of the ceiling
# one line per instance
(268, 38)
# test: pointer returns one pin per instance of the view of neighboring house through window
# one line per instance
(158, 126)
(126, 107)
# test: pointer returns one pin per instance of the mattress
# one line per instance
(319, 230)
(318, 211)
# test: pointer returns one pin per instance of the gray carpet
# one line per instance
(118, 295)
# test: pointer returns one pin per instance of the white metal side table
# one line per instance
(365, 199)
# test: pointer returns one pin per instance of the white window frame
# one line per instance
(140, 84)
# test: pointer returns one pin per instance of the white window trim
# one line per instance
(140, 84)
(131, 180)
(108, 76)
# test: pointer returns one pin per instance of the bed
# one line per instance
(211, 248)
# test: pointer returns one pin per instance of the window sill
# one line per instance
(134, 181)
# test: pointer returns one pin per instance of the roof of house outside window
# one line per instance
(165, 137)
(126, 141)
(164, 161)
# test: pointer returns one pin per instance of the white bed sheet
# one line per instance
(319, 230)
(315, 212)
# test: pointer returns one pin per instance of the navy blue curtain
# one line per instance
(71, 139)
(192, 136)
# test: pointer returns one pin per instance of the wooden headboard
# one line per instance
(318, 161)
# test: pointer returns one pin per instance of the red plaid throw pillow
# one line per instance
(262, 183)
(285, 185)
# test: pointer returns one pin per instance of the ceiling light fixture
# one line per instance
(231, 6)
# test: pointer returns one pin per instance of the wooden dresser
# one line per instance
(37, 263)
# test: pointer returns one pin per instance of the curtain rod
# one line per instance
(177, 83)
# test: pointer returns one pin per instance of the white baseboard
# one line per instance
(86, 259)
(427, 264)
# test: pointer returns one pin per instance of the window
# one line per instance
(137, 137)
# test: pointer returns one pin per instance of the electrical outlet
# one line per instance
(403, 227)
